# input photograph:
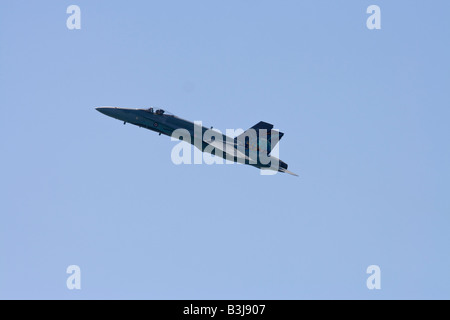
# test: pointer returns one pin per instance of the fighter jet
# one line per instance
(253, 147)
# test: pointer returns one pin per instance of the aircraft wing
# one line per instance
(227, 149)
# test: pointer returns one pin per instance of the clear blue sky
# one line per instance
(366, 121)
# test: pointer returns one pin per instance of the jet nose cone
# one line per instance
(110, 111)
(117, 113)
(104, 110)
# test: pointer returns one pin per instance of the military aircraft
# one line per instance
(243, 148)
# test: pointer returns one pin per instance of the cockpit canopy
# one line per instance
(159, 111)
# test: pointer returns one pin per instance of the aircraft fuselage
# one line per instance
(166, 124)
